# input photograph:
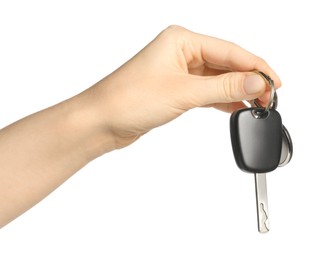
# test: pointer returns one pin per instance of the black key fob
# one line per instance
(256, 137)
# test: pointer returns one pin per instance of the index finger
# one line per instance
(224, 54)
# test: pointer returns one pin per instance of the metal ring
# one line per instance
(273, 96)
(287, 144)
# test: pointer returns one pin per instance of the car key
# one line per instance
(257, 140)
(256, 137)
(260, 179)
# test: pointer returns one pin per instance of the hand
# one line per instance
(177, 71)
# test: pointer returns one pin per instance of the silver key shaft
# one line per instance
(262, 202)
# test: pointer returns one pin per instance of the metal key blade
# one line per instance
(262, 202)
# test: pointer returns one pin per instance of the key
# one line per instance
(260, 179)
(260, 144)
(256, 135)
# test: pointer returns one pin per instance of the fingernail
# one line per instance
(254, 84)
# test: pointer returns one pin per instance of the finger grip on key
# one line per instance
(273, 99)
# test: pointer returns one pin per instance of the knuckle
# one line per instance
(172, 31)
(174, 27)
(227, 88)
(230, 87)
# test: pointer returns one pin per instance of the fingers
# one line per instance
(223, 55)
(226, 88)
(234, 57)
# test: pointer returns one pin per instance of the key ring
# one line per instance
(273, 100)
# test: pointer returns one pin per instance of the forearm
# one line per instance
(41, 151)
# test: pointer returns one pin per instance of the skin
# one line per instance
(179, 70)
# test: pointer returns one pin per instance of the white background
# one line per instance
(177, 192)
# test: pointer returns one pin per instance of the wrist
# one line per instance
(112, 109)
(94, 135)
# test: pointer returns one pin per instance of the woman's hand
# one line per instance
(177, 71)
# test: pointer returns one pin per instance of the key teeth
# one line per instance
(265, 221)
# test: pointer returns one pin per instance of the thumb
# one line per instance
(230, 87)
